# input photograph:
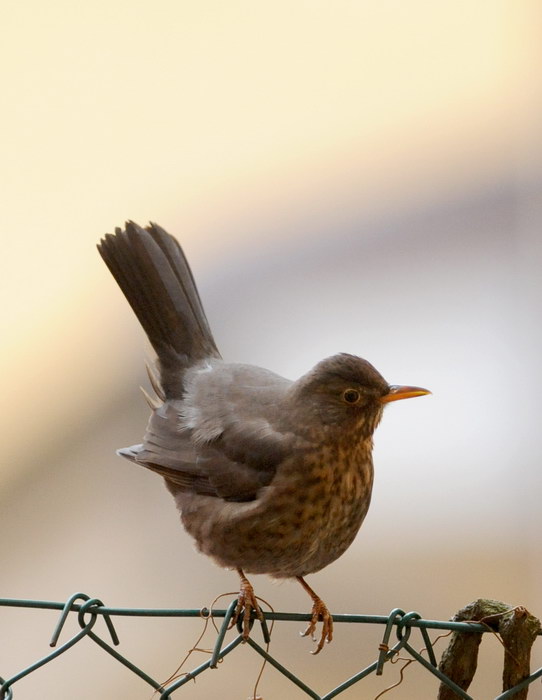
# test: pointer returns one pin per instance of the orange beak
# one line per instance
(403, 392)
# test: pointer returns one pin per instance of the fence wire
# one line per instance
(398, 624)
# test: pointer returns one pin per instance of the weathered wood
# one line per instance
(518, 630)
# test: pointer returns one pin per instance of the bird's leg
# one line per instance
(319, 612)
(246, 603)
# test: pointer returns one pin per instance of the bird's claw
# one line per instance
(246, 603)
(320, 613)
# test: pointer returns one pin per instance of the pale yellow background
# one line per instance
(344, 176)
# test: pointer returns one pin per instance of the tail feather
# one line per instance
(153, 274)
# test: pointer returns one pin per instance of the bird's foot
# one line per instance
(246, 603)
(320, 613)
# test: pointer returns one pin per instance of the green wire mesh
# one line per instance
(398, 624)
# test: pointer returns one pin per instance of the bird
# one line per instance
(271, 476)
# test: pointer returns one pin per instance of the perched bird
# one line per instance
(270, 476)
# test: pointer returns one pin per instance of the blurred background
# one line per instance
(344, 176)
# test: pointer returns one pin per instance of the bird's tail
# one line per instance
(153, 273)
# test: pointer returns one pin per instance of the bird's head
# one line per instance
(348, 392)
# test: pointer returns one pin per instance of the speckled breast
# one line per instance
(299, 524)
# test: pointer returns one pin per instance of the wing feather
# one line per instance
(210, 443)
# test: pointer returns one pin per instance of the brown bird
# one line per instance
(270, 476)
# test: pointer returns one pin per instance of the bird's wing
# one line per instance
(222, 439)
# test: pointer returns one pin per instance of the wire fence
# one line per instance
(399, 627)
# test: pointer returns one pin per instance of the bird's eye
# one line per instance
(351, 396)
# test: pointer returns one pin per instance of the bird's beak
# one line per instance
(403, 392)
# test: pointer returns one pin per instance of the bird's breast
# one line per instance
(305, 519)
